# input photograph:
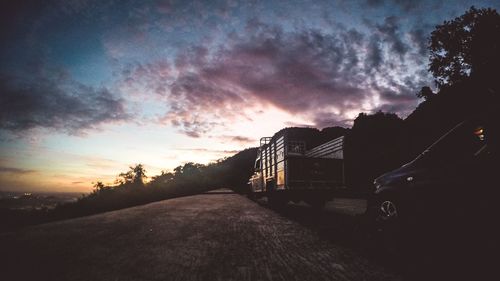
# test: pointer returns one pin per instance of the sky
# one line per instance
(90, 87)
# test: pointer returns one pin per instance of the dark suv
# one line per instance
(457, 176)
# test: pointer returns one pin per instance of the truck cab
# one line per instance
(256, 181)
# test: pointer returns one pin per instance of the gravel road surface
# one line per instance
(214, 236)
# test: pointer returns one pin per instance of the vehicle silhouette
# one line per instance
(453, 180)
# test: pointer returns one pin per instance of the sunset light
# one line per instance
(256, 140)
(88, 90)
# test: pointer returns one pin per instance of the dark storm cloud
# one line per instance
(355, 39)
(374, 3)
(327, 119)
(400, 100)
(293, 71)
(389, 32)
(242, 140)
(405, 5)
(419, 38)
(374, 55)
(54, 101)
(308, 72)
(198, 104)
(12, 14)
(146, 78)
(210, 74)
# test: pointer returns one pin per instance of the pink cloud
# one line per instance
(324, 77)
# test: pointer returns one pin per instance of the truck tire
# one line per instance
(251, 195)
(277, 201)
(318, 204)
(276, 198)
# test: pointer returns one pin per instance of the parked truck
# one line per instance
(298, 167)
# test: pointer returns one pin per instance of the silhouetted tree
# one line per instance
(139, 174)
(134, 176)
(371, 148)
(425, 93)
(189, 169)
(125, 178)
(468, 45)
(162, 178)
(98, 187)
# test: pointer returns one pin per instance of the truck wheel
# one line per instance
(251, 195)
(276, 201)
(318, 204)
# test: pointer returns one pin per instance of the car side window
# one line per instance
(460, 146)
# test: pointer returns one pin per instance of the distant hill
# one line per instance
(234, 172)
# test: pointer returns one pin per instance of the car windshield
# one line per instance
(463, 142)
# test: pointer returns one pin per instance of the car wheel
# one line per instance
(277, 201)
(389, 210)
(388, 215)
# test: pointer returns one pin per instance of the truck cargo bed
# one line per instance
(313, 173)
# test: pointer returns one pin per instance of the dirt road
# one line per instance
(215, 236)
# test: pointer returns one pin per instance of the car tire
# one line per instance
(388, 214)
